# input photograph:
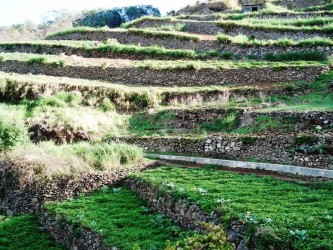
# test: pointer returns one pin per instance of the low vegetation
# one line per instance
(47, 161)
(296, 56)
(24, 233)
(248, 41)
(163, 34)
(139, 32)
(300, 218)
(117, 214)
(328, 29)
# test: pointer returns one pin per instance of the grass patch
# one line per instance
(25, 233)
(139, 32)
(163, 34)
(288, 215)
(248, 41)
(270, 25)
(225, 124)
(36, 60)
(47, 161)
(76, 30)
(158, 124)
(296, 56)
(118, 214)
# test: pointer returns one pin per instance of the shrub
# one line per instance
(107, 105)
(2, 58)
(305, 139)
(60, 63)
(214, 238)
(11, 134)
(227, 123)
(36, 60)
(115, 17)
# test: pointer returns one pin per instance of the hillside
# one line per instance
(208, 129)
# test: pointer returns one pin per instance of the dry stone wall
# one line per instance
(65, 233)
(17, 197)
(192, 118)
(273, 147)
(201, 45)
(183, 212)
(181, 77)
(273, 34)
(213, 28)
(300, 4)
(285, 15)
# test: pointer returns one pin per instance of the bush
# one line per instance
(60, 63)
(107, 105)
(214, 238)
(115, 17)
(11, 134)
(296, 56)
(36, 60)
(227, 123)
(2, 58)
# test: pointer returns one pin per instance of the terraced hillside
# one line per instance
(79, 111)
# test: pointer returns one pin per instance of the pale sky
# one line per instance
(18, 11)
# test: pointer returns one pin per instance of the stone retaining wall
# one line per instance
(181, 77)
(213, 28)
(273, 34)
(285, 15)
(193, 118)
(182, 212)
(124, 37)
(201, 45)
(300, 4)
(273, 147)
(18, 198)
(71, 236)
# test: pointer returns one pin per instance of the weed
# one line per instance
(37, 60)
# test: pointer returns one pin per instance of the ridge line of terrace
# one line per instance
(297, 170)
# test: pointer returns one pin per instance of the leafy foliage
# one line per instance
(115, 17)
(118, 214)
(24, 233)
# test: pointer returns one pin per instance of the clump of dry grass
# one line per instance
(46, 161)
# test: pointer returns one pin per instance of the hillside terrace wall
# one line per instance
(212, 28)
(241, 51)
(273, 147)
(181, 77)
(285, 15)
(124, 37)
(183, 212)
(17, 197)
(192, 118)
(271, 34)
(300, 4)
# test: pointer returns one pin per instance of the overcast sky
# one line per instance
(18, 11)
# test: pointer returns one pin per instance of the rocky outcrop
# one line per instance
(43, 132)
